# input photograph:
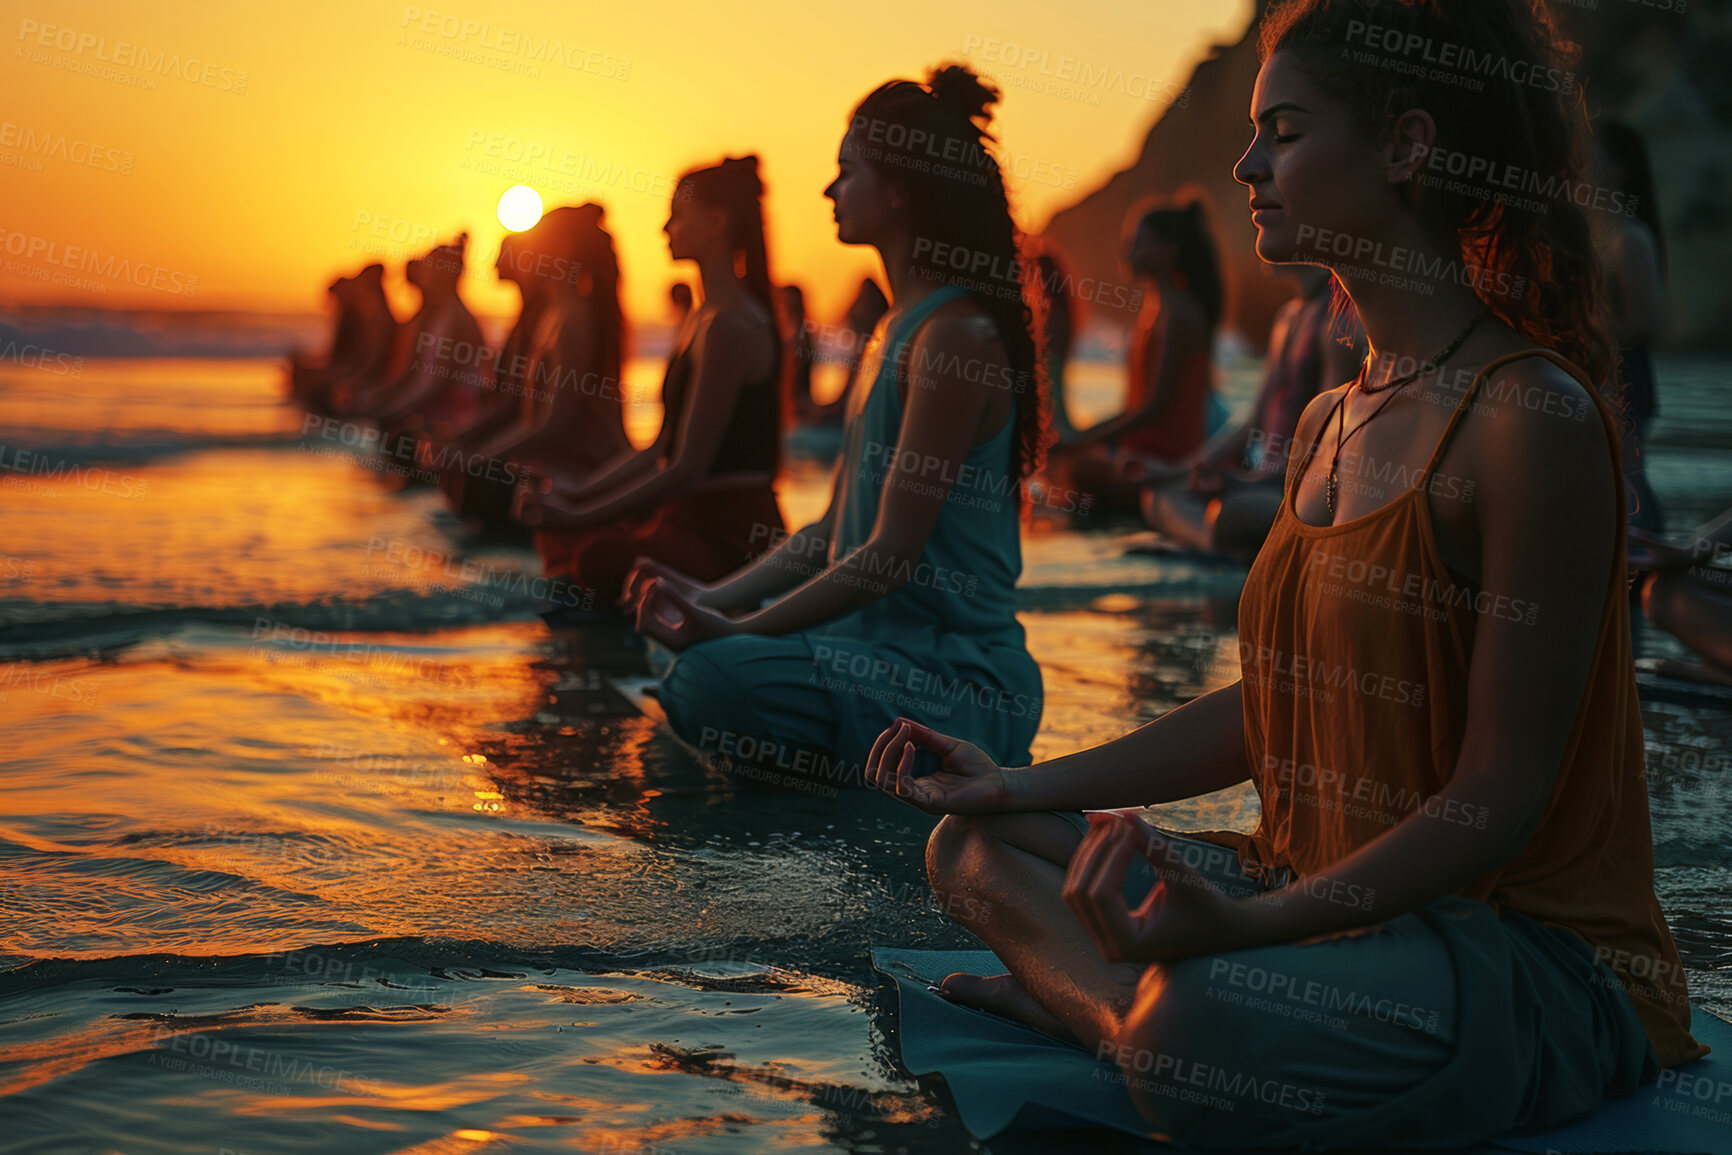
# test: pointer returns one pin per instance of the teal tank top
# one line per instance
(955, 615)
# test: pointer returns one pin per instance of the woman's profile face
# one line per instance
(1318, 182)
(865, 203)
(693, 227)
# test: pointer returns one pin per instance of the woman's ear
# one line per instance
(1410, 142)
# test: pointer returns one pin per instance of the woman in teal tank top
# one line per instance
(900, 600)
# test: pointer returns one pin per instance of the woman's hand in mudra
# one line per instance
(1183, 915)
(646, 571)
(966, 781)
(668, 616)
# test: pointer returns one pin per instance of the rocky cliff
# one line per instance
(1661, 69)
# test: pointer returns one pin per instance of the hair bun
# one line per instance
(956, 86)
(745, 170)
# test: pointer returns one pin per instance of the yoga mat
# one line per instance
(1005, 1076)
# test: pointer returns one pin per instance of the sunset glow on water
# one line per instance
(316, 837)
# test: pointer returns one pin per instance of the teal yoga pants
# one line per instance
(783, 700)
(1438, 1028)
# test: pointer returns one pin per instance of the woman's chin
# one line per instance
(1273, 250)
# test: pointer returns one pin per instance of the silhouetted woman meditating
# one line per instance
(1225, 498)
(515, 265)
(362, 343)
(701, 496)
(501, 406)
(1436, 703)
(1170, 373)
(901, 597)
(571, 410)
(445, 368)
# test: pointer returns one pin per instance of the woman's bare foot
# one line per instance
(1003, 995)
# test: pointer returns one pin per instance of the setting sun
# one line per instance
(519, 208)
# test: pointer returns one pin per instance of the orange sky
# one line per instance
(157, 156)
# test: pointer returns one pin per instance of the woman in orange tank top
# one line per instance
(1444, 927)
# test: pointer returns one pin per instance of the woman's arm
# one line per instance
(941, 415)
(1195, 749)
(801, 555)
(722, 351)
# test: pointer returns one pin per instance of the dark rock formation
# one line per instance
(1663, 70)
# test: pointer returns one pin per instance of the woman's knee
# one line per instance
(695, 692)
(1175, 1036)
(949, 848)
(965, 850)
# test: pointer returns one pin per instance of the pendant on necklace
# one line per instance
(1329, 494)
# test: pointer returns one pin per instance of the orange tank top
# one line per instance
(1355, 641)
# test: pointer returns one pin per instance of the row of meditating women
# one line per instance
(1449, 757)
(1450, 769)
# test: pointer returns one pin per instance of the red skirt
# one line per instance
(707, 535)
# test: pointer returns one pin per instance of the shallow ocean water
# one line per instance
(317, 840)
